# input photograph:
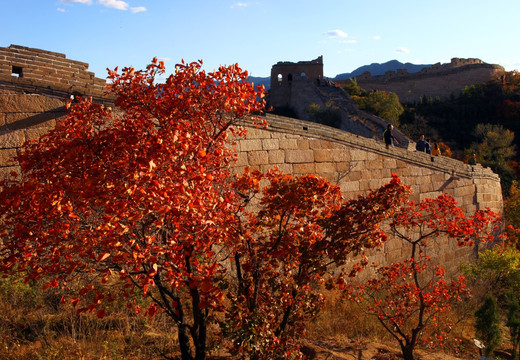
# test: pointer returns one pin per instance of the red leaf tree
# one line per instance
(139, 200)
(293, 237)
(137, 196)
(408, 296)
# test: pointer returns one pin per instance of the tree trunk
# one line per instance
(407, 351)
(184, 343)
(200, 342)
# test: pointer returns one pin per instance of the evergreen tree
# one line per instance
(487, 325)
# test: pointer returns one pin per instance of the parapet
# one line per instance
(40, 71)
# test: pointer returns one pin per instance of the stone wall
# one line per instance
(28, 68)
(284, 72)
(438, 81)
(357, 164)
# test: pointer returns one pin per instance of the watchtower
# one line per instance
(284, 73)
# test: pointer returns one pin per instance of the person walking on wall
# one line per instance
(428, 147)
(388, 136)
(421, 144)
(436, 150)
(473, 160)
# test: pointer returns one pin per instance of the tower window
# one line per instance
(17, 71)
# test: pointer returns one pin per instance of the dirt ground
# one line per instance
(357, 350)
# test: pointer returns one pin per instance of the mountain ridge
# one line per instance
(374, 68)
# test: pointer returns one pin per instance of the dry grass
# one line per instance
(35, 325)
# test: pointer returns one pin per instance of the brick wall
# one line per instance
(439, 81)
(30, 68)
(357, 164)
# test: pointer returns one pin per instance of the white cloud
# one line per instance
(86, 2)
(240, 5)
(61, 10)
(402, 50)
(114, 4)
(336, 33)
(138, 9)
(377, 37)
(349, 42)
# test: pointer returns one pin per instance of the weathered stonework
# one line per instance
(438, 81)
(355, 163)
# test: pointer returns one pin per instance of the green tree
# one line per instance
(353, 89)
(384, 104)
(495, 149)
(328, 115)
(487, 325)
(512, 212)
(513, 321)
(497, 271)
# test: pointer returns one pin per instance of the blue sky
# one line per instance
(257, 34)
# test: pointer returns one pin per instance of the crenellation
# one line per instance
(46, 70)
(439, 80)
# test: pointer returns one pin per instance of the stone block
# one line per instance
(340, 155)
(7, 157)
(371, 156)
(254, 133)
(389, 163)
(325, 167)
(258, 157)
(270, 144)
(315, 144)
(430, 195)
(276, 156)
(25, 103)
(358, 155)
(35, 133)
(288, 144)
(241, 159)
(321, 155)
(426, 187)
(387, 172)
(403, 171)
(303, 144)
(307, 168)
(353, 176)
(30, 120)
(375, 184)
(349, 186)
(374, 164)
(299, 156)
(6, 173)
(364, 185)
(250, 145)
(285, 168)
(12, 139)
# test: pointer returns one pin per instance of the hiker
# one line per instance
(389, 137)
(421, 144)
(473, 160)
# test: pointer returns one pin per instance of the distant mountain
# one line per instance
(261, 81)
(380, 69)
(374, 68)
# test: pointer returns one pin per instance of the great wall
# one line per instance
(439, 80)
(34, 85)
